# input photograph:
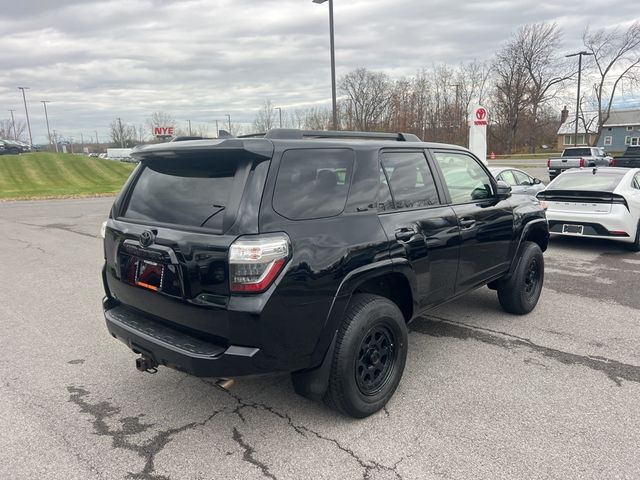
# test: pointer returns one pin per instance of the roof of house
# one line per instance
(623, 118)
(569, 127)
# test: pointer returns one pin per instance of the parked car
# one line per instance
(630, 159)
(577, 157)
(308, 252)
(12, 147)
(519, 181)
(596, 202)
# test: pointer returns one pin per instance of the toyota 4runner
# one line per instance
(308, 252)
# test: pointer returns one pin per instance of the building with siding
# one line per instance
(621, 130)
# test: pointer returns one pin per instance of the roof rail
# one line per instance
(294, 134)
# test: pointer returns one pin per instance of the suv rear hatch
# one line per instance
(167, 243)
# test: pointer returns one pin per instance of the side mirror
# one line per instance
(537, 181)
(504, 190)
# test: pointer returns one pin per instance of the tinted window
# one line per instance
(410, 179)
(313, 183)
(191, 192)
(465, 178)
(577, 152)
(636, 181)
(600, 182)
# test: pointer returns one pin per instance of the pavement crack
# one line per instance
(120, 437)
(442, 327)
(369, 466)
(29, 245)
(249, 454)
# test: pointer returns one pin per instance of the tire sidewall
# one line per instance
(378, 312)
(532, 252)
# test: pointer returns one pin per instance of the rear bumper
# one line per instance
(176, 349)
(616, 225)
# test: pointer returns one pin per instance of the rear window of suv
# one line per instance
(184, 191)
(313, 183)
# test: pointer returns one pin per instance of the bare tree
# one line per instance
(538, 45)
(368, 93)
(511, 92)
(123, 135)
(616, 55)
(266, 118)
(6, 129)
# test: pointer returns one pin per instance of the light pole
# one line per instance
(217, 130)
(280, 110)
(46, 116)
(333, 63)
(579, 55)
(26, 112)
(229, 117)
(189, 127)
(13, 122)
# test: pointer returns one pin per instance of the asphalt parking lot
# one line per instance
(554, 394)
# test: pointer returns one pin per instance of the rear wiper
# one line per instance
(220, 209)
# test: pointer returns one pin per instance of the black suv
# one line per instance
(308, 252)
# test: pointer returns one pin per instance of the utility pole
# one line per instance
(97, 141)
(121, 135)
(280, 110)
(46, 116)
(217, 130)
(189, 127)
(229, 117)
(13, 122)
(82, 141)
(575, 136)
(26, 112)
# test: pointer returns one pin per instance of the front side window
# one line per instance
(410, 179)
(508, 177)
(313, 183)
(466, 180)
(522, 178)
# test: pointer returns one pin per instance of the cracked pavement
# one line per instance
(554, 394)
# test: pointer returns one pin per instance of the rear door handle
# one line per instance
(405, 234)
(467, 222)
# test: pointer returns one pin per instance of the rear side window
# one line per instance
(189, 192)
(313, 183)
(508, 177)
(410, 179)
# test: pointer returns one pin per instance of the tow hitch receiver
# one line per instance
(146, 364)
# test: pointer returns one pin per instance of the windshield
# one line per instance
(600, 182)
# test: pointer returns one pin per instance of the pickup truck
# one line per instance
(630, 159)
(577, 157)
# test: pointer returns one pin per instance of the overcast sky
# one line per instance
(199, 60)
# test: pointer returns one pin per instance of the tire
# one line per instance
(520, 293)
(369, 356)
(635, 246)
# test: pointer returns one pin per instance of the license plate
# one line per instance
(573, 229)
(149, 275)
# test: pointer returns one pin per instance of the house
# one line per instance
(621, 130)
(587, 130)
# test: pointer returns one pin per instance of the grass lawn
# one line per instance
(44, 174)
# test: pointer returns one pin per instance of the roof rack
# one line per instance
(294, 134)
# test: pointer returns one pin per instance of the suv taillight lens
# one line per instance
(255, 262)
(582, 163)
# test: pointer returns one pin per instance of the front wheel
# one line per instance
(369, 358)
(521, 292)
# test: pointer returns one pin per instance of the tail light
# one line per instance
(255, 262)
(613, 162)
(582, 163)
(548, 163)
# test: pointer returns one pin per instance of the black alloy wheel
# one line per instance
(376, 359)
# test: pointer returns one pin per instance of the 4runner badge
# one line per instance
(146, 238)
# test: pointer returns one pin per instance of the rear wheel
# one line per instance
(521, 292)
(369, 357)
(635, 246)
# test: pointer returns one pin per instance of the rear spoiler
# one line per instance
(255, 148)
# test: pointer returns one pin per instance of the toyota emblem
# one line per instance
(146, 238)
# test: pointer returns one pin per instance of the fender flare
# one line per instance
(540, 224)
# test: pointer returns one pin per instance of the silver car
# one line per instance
(520, 182)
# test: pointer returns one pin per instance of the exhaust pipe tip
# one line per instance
(225, 383)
